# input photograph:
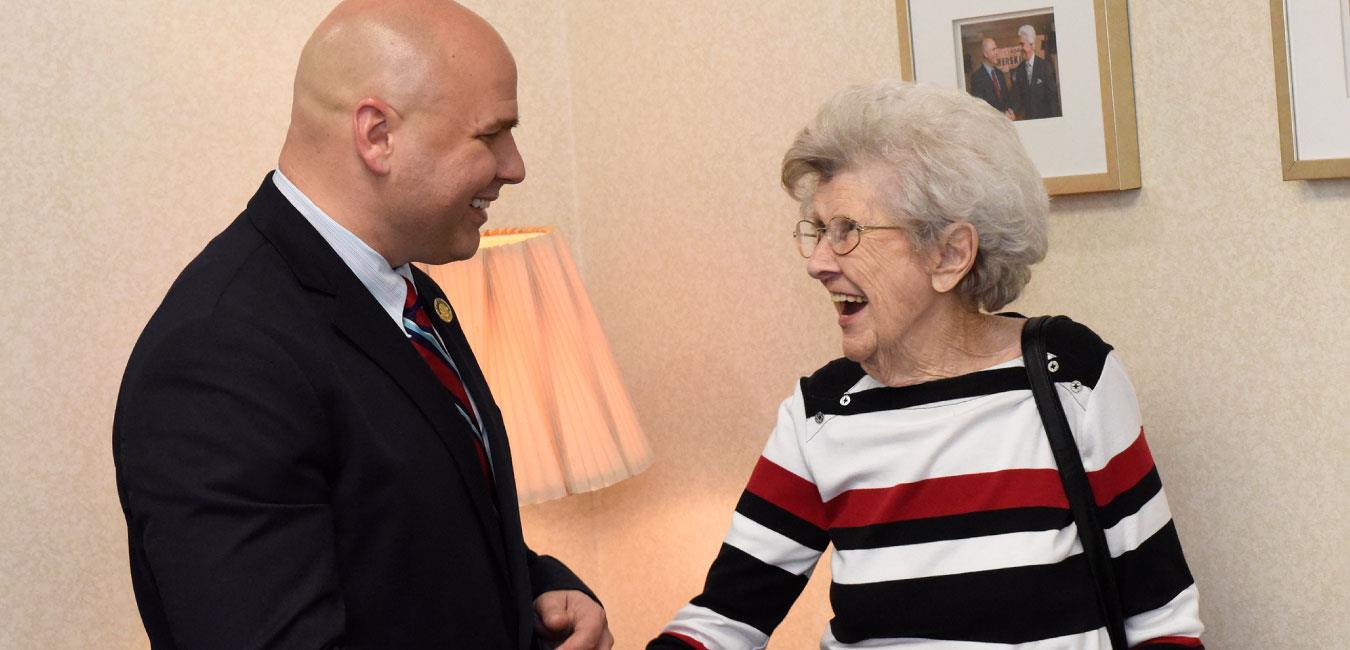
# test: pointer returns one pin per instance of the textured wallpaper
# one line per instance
(652, 133)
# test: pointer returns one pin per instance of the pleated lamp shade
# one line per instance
(524, 310)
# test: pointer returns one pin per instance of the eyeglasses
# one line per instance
(843, 233)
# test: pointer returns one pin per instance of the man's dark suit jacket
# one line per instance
(982, 86)
(294, 476)
(1039, 97)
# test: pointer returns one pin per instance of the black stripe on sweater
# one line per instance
(782, 522)
(886, 398)
(1012, 605)
(982, 524)
(1153, 574)
(742, 588)
(1080, 354)
(1130, 501)
(951, 527)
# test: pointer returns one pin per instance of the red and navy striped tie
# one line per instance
(424, 340)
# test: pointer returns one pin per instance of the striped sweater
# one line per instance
(949, 523)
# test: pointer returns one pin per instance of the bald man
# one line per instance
(307, 453)
(987, 81)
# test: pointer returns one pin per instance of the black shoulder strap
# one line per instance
(1074, 478)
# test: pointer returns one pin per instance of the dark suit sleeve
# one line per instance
(982, 86)
(548, 574)
(222, 459)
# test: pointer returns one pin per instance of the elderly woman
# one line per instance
(921, 455)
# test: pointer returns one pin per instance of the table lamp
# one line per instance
(526, 314)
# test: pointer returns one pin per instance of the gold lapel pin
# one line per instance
(443, 310)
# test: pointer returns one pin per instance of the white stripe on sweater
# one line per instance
(1135, 529)
(880, 450)
(1093, 640)
(770, 547)
(949, 557)
(714, 631)
(1179, 617)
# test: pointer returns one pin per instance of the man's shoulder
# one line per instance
(255, 263)
(239, 275)
(228, 267)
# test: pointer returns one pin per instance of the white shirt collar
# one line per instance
(384, 283)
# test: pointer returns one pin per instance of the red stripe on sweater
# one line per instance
(944, 496)
(686, 640)
(788, 491)
(1122, 472)
(1184, 641)
(948, 495)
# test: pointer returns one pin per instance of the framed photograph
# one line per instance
(1060, 69)
(1312, 86)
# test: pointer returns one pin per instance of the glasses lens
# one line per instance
(843, 234)
(805, 234)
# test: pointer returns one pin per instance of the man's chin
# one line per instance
(461, 249)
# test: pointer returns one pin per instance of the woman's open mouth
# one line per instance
(848, 305)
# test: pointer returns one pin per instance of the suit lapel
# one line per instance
(368, 328)
(360, 319)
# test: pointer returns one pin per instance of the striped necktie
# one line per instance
(423, 338)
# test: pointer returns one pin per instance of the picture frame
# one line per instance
(1092, 143)
(1312, 86)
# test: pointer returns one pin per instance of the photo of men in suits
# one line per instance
(307, 453)
(1034, 82)
(1019, 78)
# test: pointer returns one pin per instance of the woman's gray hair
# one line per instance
(945, 157)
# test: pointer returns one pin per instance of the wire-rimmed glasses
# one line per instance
(843, 233)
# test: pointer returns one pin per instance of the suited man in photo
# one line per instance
(307, 453)
(987, 81)
(1035, 85)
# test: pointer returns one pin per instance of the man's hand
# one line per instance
(571, 619)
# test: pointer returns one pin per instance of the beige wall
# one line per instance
(652, 133)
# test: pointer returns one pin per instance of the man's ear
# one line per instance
(373, 124)
(956, 248)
